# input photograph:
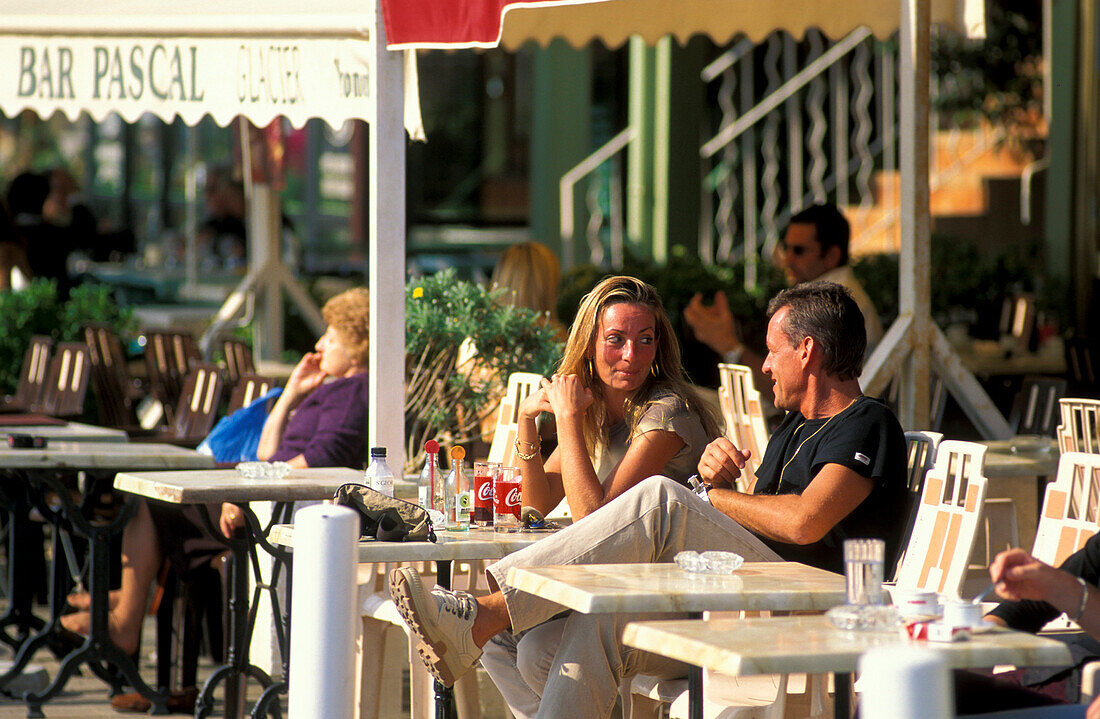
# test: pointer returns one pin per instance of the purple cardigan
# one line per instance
(329, 428)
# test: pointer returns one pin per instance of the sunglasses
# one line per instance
(796, 250)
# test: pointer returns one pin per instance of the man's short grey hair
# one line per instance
(826, 312)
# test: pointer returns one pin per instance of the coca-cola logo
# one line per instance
(485, 492)
(512, 500)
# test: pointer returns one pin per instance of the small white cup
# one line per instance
(962, 614)
(914, 603)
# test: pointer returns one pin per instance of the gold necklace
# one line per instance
(799, 448)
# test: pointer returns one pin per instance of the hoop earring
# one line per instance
(591, 367)
(653, 368)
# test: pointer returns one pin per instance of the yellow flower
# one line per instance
(418, 292)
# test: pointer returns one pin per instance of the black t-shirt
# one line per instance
(866, 438)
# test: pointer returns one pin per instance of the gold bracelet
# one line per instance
(535, 447)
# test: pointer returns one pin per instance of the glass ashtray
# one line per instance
(866, 617)
(709, 562)
(263, 470)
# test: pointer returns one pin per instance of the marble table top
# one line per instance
(811, 644)
(104, 456)
(1001, 461)
(227, 485)
(606, 588)
(449, 545)
(70, 432)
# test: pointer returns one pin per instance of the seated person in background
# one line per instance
(814, 247)
(529, 273)
(1037, 594)
(13, 252)
(313, 424)
(48, 247)
(834, 469)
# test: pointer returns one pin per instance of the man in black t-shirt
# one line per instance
(836, 466)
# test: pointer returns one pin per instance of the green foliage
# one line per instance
(448, 392)
(967, 285)
(36, 310)
(999, 78)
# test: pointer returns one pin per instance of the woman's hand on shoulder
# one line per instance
(567, 395)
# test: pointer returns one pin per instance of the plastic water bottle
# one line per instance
(457, 495)
(378, 475)
(429, 476)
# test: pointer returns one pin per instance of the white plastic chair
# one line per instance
(1080, 428)
(947, 520)
(520, 387)
(744, 415)
(1071, 508)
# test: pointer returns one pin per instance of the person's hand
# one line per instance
(714, 326)
(306, 375)
(1021, 576)
(537, 402)
(722, 462)
(231, 520)
(1094, 709)
(567, 395)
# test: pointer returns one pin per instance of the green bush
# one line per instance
(37, 310)
(445, 401)
(967, 285)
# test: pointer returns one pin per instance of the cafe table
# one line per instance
(63, 431)
(1018, 469)
(450, 546)
(648, 588)
(43, 478)
(215, 486)
(811, 644)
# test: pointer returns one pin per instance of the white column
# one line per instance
(387, 248)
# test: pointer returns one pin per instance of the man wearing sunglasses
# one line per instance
(814, 247)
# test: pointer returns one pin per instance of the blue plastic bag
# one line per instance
(236, 437)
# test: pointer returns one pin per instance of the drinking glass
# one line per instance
(863, 566)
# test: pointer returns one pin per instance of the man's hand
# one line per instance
(721, 463)
(1021, 576)
(714, 326)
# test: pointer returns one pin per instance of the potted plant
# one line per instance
(460, 347)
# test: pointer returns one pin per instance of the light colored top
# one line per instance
(607, 588)
(669, 413)
(811, 644)
(103, 455)
(844, 276)
(227, 485)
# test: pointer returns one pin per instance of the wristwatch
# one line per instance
(700, 488)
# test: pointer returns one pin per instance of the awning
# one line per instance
(187, 59)
(487, 23)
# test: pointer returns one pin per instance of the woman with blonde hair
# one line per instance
(623, 408)
(529, 273)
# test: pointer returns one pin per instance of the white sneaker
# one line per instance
(443, 620)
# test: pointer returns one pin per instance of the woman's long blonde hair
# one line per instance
(666, 375)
